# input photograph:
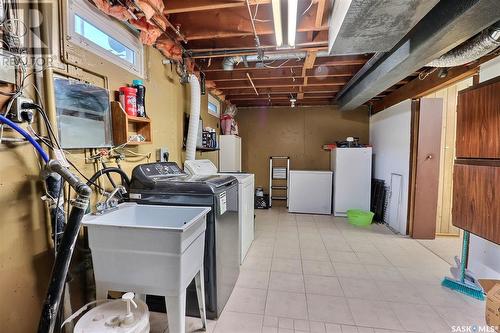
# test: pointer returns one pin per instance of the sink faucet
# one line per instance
(110, 202)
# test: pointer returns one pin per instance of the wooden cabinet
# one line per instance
(476, 179)
(476, 199)
(478, 121)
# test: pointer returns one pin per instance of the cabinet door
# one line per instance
(476, 200)
(478, 121)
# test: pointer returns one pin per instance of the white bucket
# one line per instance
(116, 316)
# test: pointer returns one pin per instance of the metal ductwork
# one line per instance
(471, 50)
(229, 62)
(447, 25)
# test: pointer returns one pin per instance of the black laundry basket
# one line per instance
(262, 202)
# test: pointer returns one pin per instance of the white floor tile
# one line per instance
(319, 274)
(247, 300)
(287, 282)
(311, 267)
(253, 279)
(257, 264)
(360, 288)
(350, 270)
(375, 314)
(231, 322)
(329, 309)
(287, 265)
(322, 285)
(286, 304)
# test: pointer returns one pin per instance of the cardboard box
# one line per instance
(492, 289)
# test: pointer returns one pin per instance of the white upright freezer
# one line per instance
(310, 192)
(352, 178)
(229, 153)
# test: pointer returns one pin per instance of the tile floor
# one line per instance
(318, 274)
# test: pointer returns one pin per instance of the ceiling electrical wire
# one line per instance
(307, 9)
(255, 15)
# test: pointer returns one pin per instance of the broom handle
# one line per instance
(463, 262)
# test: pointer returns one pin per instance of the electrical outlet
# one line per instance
(16, 111)
(163, 154)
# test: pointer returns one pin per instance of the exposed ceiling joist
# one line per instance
(221, 24)
(283, 82)
(269, 73)
(185, 6)
(310, 59)
(320, 11)
(447, 25)
(419, 88)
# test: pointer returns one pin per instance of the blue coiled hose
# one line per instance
(28, 137)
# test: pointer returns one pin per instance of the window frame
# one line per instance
(115, 29)
(215, 101)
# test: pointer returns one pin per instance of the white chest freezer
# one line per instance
(310, 192)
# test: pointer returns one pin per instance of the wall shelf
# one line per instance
(125, 126)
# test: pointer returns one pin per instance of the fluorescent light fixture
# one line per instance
(278, 31)
(292, 21)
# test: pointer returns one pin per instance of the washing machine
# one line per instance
(164, 183)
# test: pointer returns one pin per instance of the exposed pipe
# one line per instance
(60, 269)
(28, 137)
(471, 50)
(194, 118)
(229, 62)
(107, 171)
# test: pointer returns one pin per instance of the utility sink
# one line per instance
(147, 249)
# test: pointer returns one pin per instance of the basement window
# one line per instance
(213, 106)
(94, 31)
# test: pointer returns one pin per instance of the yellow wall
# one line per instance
(25, 253)
(298, 133)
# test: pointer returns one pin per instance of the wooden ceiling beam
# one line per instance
(262, 91)
(320, 11)
(310, 59)
(283, 82)
(266, 104)
(418, 88)
(310, 90)
(281, 73)
(185, 6)
(248, 42)
(233, 22)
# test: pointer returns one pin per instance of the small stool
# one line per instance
(175, 300)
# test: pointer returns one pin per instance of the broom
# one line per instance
(466, 286)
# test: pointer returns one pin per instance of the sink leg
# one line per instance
(176, 313)
(200, 293)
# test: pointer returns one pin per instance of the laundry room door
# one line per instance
(426, 186)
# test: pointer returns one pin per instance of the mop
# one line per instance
(464, 282)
